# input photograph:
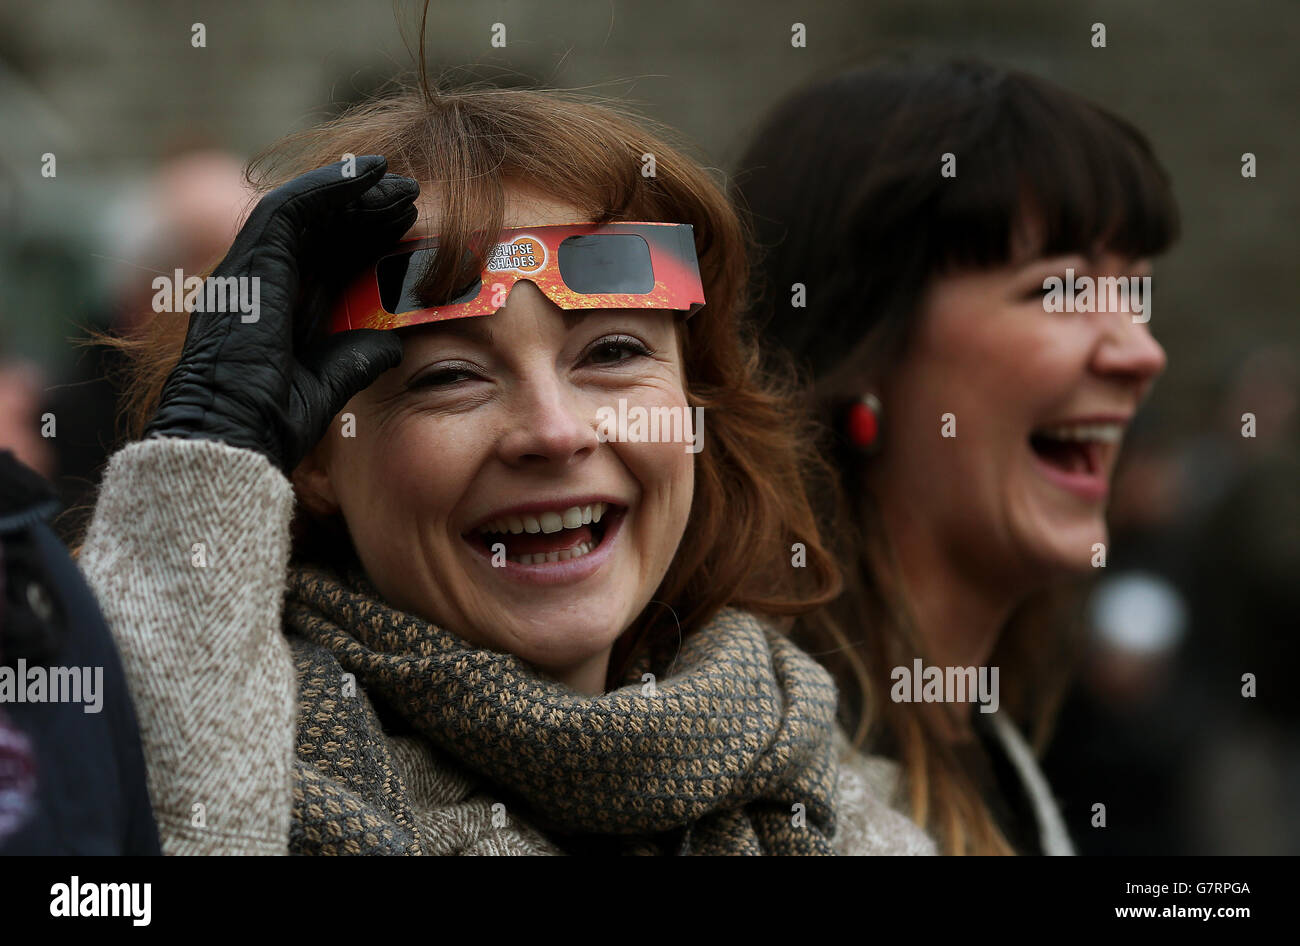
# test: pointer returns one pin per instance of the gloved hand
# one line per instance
(250, 383)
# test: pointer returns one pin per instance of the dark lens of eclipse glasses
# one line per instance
(602, 263)
(399, 275)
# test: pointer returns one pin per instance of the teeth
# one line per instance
(563, 555)
(547, 522)
(1102, 433)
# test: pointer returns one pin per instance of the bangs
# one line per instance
(1077, 179)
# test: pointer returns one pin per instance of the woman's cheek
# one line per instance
(413, 471)
(653, 435)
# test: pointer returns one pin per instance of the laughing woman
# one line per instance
(383, 580)
(975, 425)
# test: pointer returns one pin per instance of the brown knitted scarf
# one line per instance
(731, 754)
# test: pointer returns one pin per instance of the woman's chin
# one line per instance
(555, 628)
(555, 642)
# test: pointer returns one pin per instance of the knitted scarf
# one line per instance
(731, 754)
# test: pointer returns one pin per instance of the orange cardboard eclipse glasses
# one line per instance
(577, 265)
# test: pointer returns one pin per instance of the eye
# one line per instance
(615, 349)
(1039, 291)
(444, 375)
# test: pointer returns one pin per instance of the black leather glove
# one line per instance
(254, 383)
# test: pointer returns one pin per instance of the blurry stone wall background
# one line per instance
(108, 85)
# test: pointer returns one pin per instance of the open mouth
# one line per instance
(1082, 450)
(544, 537)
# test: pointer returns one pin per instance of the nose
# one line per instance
(550, 424)
(1129, 353)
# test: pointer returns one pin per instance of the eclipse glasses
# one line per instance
(577, 266)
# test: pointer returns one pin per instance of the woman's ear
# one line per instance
(311, 481)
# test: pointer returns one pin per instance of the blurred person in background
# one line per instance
(906, 218)
(72, 777)
(183, 217)
(21, 390)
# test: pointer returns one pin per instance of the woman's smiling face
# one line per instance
(477, 491)
(1015, 488)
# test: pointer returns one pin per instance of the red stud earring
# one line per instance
(862, 425)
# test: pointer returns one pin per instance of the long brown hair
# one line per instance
(844, 189)
(750, 509)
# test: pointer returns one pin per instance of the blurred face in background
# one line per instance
(21, 390)
(1004, 421)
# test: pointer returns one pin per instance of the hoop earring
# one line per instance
(862, 424)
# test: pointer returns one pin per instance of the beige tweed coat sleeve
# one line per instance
(187, 553)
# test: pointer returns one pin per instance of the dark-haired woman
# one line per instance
(914, 221)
